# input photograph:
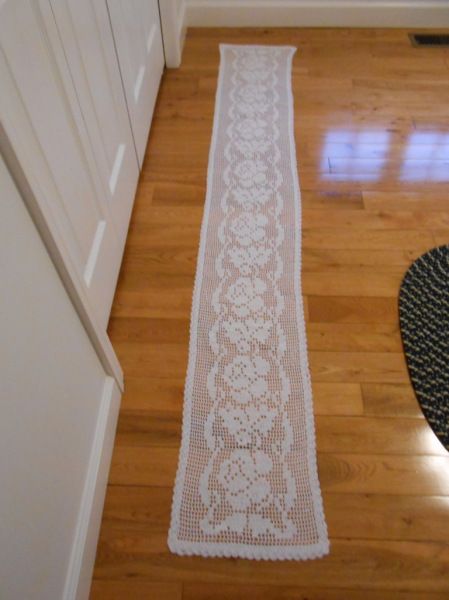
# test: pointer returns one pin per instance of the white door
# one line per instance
(42, 119)
(138, 39)
(86, 35)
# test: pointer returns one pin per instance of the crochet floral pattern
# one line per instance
(247, 482)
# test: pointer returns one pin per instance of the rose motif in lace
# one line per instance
(247, 483)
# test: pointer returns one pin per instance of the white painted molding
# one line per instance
(317, 13)
(82, 559)
(173, 23)
(182, 27)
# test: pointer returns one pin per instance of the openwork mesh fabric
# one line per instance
(247, 483)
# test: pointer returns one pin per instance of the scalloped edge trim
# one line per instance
(215, 550)
(224, 550)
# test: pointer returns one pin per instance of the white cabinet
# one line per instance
(70, 148)
(86, 37)
(43, 120)
(65, 83)
(138, 39)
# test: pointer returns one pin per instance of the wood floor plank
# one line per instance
(363, 367)
(136, 590)
(366, 516)
(390, 400)
(353, 282)
(330, 257)
(406, 201)
(334, 200)
(167, 214)
(365, 435)
(153, 302)
(393, 219)
(203, 591)
(352, 309)
(349, 337)
(345, 473)
(335, 433)
(148, 428)
(176, 264)
(172, 194)
(138, 330)
(348, 238)
(337, 398)
(380, 474)
(154, 236)
(173, 259)
(354, 564)
(154, 393)
(152, 359)
(169, 360)
(143, 465)
(387, 516)
(146, 510)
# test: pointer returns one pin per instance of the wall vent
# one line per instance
(429, 39)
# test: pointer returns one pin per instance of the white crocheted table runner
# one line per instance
(247, 483)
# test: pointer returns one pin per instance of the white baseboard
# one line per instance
(79, 574)
(317, 13)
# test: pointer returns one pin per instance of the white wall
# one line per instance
(318, 13)
(57, 406)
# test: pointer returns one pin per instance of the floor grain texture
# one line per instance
(372, 134)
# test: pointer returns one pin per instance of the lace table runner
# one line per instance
(247, 483)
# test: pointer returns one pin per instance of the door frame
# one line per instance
(173, 25)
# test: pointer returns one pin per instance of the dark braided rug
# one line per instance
(424, 321)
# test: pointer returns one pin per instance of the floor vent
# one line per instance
(429, 39)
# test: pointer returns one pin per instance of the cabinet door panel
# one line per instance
(85, 33)
(138, 39)
(41, 117)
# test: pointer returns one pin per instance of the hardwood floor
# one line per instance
(372, 133)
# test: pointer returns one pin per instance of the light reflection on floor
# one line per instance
(426, 157)
(428, 443)
(364, 155)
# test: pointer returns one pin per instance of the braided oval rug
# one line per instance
(247, 483)
(424, 320)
